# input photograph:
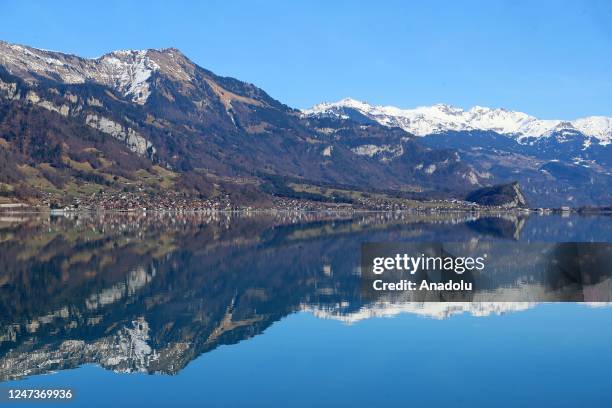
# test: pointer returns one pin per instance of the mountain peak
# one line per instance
(127, 71)
(135, 52)
(444, 107)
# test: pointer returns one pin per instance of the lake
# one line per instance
(267, 309)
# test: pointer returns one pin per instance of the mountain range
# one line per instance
(557, 162)
(151, 123)
(440, 118)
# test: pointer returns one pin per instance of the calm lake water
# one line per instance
(267, 310)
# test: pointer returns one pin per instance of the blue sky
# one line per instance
(552, 59)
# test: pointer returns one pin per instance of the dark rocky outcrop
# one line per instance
(503, 195)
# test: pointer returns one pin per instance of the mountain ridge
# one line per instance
(126, 70)
(438, 118)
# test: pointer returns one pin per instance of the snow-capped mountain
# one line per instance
(555, 161)
(440, 118)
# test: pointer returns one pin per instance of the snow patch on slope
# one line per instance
(130, 72)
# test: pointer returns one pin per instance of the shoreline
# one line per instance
(267, 210)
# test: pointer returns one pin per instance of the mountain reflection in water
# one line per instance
(150, 293)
